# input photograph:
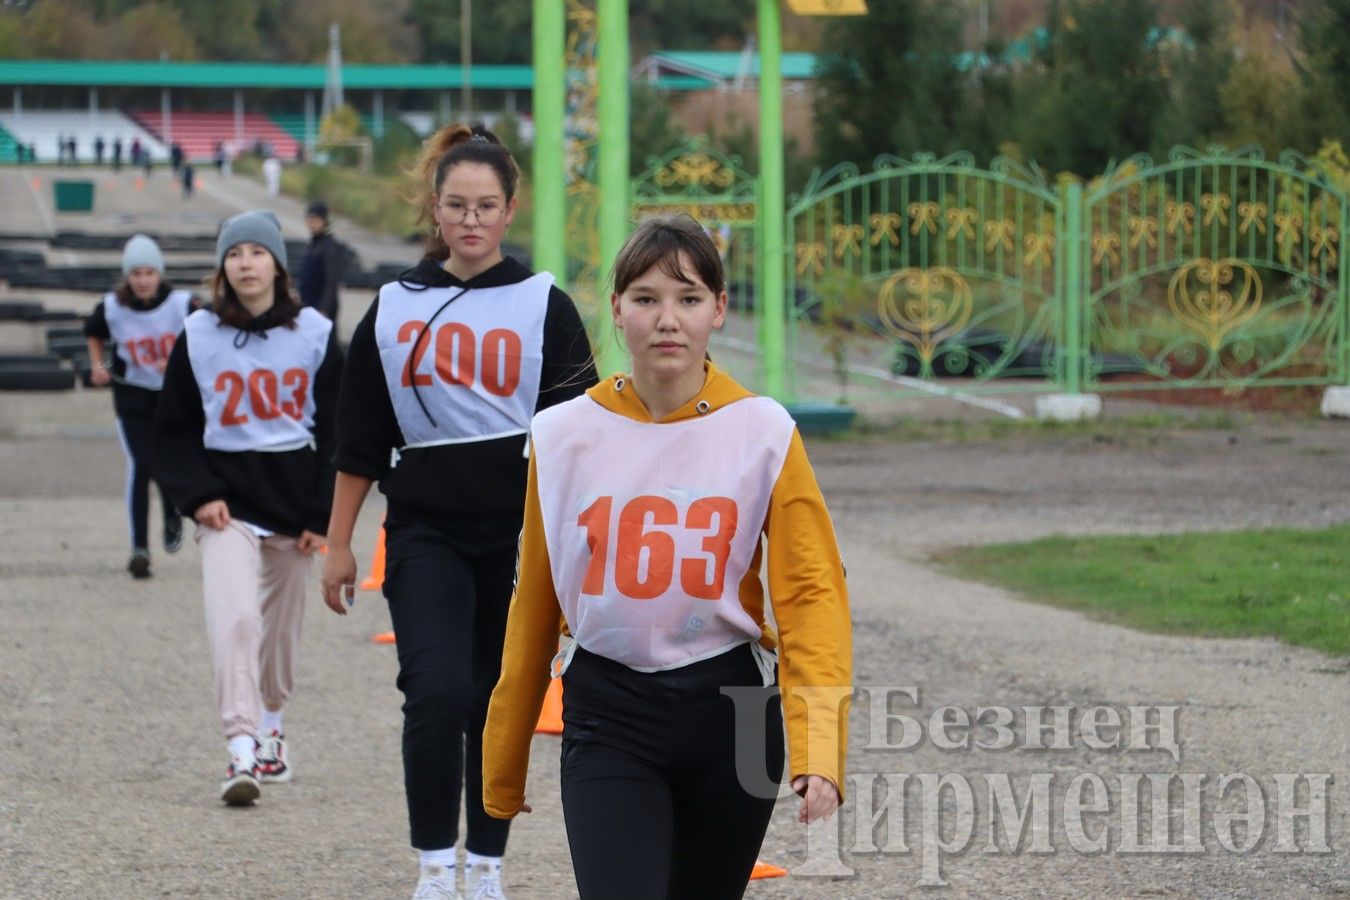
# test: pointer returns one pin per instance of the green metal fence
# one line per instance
(1214, 268)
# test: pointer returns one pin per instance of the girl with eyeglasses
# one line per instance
(445, 371)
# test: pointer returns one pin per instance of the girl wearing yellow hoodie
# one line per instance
(651, 503)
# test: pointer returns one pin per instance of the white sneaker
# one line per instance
(436, 883)
(272, 764)
(484, 882)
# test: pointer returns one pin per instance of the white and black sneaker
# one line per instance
(241, 784)
(272, 765)
(173, 533)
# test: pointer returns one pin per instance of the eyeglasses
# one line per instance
(454, 213)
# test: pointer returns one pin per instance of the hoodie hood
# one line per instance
(719, 390)
(429, 273)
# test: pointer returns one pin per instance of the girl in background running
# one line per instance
(650, 504)
(142, 319)
(445, 371)
(243, 439)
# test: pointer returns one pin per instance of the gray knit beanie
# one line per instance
(257, 226)
(142, 251)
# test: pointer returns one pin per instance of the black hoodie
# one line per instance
(463, 488)
(286, 492)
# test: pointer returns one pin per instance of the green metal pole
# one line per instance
(1343, 285)
(771, 221)
(549, 173)
(1072, 296)
(611, 114)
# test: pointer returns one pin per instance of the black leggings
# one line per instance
(651, 797)
(449, 613)
(137, 435)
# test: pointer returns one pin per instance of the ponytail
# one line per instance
(454, 144)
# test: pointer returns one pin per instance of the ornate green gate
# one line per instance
(922, 269)
(714, 189)
(1215, 269)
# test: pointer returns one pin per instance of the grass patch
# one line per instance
(1281, 582)
(1000, 428)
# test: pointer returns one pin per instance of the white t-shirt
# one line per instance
(143, 337)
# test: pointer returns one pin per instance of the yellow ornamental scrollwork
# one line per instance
(1104, 246)
(1038, 247)
(1324, 242)
(1143, 229)
(847, 238)
(999, 233)
(961, 221)
(1288, 226)
(1215, 205)
(924, 215)
(1179, 215)
(924, 307)
(811, 256)
(695, 170)
(1252, 214)
(884, 225)
(1214, 297)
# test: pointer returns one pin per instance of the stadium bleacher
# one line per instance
(42, 127)
(198, 133)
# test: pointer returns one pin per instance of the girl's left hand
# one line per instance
(820, 798)
(309, 543)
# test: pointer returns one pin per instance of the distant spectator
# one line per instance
(117, 154)
(321, 271)
(219, 157)
(72, 148)
(147, 161)
(98, 150)
(135, 152)
(299, 154)
(271, 169)
(176, 157)
(61, 149)
(32, 153)
(188, 176)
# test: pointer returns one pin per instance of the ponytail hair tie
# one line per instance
(479, 139)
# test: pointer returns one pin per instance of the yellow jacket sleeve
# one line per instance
(532, 629)
(810, 605)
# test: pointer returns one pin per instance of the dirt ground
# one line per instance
(110, 754)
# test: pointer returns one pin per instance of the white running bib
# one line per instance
(651, 528)
(257, 396)
(476, 373)
(142, 338)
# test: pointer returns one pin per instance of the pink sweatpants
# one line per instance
(255, 603)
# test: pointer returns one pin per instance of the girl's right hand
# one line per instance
(214, 514)
(100, 376)
(339, 577)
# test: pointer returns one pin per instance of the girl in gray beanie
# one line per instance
(244, 439)
(141, 319)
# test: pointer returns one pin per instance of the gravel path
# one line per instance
(109, 753)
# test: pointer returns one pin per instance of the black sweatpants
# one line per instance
(448, 602)
(651, 798)
(137, 436)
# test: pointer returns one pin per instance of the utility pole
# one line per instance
(466, 56)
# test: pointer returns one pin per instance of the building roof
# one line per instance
(91, 73)
(721, 66)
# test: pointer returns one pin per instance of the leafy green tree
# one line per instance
(1098, 90)
(1322, 110)
(890, 82)
(653, 129)
(149, 31)
(1197, 66)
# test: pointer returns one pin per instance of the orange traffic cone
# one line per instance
(384, 637)
(375, 580)
(550, 717)
(764, 870)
